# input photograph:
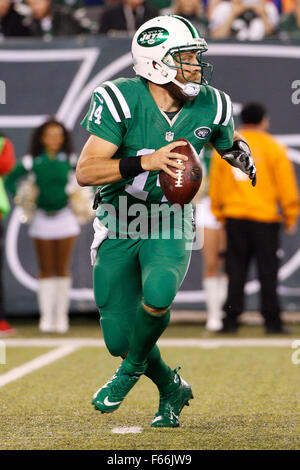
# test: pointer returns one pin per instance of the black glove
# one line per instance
(240, 156)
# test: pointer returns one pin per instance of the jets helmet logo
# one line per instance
(202, 132)
(152, 37)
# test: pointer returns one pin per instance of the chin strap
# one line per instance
(189, 88)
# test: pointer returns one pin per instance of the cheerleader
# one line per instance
(50, 166)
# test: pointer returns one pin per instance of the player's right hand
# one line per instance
(162, 158)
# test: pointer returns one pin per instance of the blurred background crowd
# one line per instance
(218, 19)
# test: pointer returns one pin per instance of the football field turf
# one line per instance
(246, 394)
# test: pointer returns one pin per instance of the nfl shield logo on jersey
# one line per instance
(169, 136)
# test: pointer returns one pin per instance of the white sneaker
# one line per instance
(45, 327)
(214, 324)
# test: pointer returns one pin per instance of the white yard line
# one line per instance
(53, 342)
(37, 363)
(170, 342)
(66, 346)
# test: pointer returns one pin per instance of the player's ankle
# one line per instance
(133, 368)
(170, 386)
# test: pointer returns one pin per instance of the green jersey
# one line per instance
(124, 112)
(51, 176)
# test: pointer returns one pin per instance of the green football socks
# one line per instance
(147, 329)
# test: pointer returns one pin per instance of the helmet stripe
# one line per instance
(193, 30)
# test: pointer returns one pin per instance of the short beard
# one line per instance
(177, 93)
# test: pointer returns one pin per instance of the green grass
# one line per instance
(17, 356)
(245, 398)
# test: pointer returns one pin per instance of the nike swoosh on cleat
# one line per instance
(110, 403)
(158, 418)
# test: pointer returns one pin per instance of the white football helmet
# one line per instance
(158, 40)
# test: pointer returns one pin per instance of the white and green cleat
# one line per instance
(110, 396)
(172, 402)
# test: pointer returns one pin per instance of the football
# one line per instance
(182, 190)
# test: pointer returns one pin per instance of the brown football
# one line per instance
(182, 190)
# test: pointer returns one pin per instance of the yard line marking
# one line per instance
(166, 342)
(127, 430)
(54, 342)
(36, 363)
(226, 342)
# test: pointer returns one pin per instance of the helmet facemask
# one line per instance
(173, 59)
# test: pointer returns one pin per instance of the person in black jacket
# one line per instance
(54, 21)
(124, 19)
(11, 22)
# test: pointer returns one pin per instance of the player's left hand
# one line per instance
(240, 157)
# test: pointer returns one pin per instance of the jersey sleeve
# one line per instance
(222, 137)
(107, 113)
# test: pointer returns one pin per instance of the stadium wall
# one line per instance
(57, 78)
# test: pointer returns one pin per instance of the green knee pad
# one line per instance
(160, 287)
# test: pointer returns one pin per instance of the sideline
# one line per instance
(66, 346)
(167, 342)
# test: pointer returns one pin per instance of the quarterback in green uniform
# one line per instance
(134, 124)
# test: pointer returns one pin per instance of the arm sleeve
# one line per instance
(7, 157)
(103, 119)
(12, 178)
(287, 188)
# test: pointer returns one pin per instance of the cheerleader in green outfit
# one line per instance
(54, 226)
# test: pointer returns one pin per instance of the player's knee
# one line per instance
(160, 288)
(155, 311)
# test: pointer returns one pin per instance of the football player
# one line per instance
(134, 124)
